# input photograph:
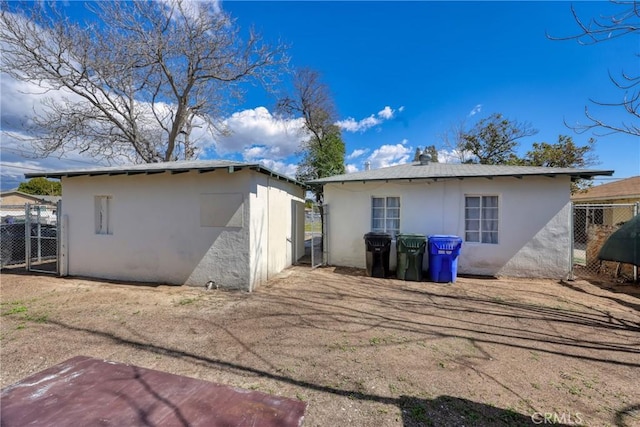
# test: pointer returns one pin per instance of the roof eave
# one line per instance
(113, 172)
(574, 177)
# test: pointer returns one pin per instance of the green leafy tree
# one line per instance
(563, 154)
(322, 158)
(432, 152)
(493, 140)
(41, 187)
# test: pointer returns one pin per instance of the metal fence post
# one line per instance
(27, 235)
(636, 209)
(325, 240)
(571, 239)
(59, 230)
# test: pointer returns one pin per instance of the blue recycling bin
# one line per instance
(443, 258)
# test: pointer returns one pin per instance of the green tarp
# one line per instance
(624, 244)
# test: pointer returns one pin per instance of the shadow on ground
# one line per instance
(454, 411)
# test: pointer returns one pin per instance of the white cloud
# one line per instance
(475, 110)
(287, 169)
(352, 125)
(18, 159)
(350, 168)
(257, 132)
(357, 153)
(386, 113)
(194, 8)
(390, 155)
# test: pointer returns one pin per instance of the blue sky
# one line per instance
(403, 73)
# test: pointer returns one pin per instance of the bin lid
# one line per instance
(411, 236)
(377, 235)
(443, 242)
(444, 237)
(406, 241)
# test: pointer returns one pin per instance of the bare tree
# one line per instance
(137, 80)
(323, 151)
(602, 29)
(453, 141)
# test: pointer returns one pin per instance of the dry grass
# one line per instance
(360, 351)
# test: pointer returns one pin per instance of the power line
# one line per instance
(26, 154)
(22, 167)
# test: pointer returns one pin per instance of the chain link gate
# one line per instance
(41, 238)
(314, 229)
(592, 225)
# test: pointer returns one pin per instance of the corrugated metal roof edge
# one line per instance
(136, 171)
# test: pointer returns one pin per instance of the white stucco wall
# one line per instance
(534, 237)
(160, 230)
(277, 227)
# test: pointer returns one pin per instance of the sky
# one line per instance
(402, 74)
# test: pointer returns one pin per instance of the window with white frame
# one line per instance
(103, 214)
(481, 219)
(385, 215)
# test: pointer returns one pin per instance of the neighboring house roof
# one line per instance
(628, 188)
(435, 171)
(172, 167)
(35, 197)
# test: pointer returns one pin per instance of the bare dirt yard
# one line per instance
(360, 351)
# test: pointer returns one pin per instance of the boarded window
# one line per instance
(103, 214)
(221, 210)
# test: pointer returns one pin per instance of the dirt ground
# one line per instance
(360, 351)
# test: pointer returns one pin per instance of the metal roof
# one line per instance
(435, 171)
(177, 167)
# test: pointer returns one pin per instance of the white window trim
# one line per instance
(385, 197)
(464, 217)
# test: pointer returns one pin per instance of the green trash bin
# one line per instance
(410, 249)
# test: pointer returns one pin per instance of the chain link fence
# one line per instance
(12, 235)
(29, 237)
(592, 226)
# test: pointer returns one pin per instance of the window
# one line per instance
(481, 219)
(385, 215)
(103, 213)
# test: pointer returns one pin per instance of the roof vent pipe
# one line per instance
(424, 159)
(367, 166)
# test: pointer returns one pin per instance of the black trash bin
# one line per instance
(410, 249)
(378, 247)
